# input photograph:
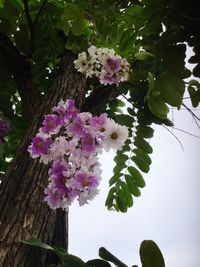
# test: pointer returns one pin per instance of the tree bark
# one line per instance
(23, 214)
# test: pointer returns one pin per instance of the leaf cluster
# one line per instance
(150, 256)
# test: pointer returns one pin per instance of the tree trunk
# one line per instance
(23, 213)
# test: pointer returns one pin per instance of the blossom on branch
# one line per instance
(71, 142)
(104, 64)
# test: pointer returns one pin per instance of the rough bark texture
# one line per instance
(23, 214)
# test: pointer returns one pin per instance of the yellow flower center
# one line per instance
(85, 182)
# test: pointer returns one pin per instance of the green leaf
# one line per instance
(115, 178)
(1, 3)
(98, 263)
(60, 252)
(78, 26)
(171, 88)
(141, 163)
(144, 131)
(143, 144)
(37, 243)
(121, 158)
(125, 119)
(118, 168)
(142, 154)
(155, 101)
(131, 111)
(132, 186)
(72, 11)
(194, 95)
(136, 175)
(127, 194)
(73, 261)
(151, 255)
(121, 200)
(110, 197)
(104, 254)
(144, 55)
(158, 107)
(126, 41)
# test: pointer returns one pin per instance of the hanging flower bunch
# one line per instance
(4, 128)
(71, 142)
(104, 64)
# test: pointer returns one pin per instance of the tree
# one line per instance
(39, 41)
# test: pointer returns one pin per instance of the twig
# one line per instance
(174, 137)
(39, 12)
(186, 132)
(193, 115)
(28, 16)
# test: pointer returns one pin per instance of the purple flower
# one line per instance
(57, 173)
(88, 143)
(53, 197)
(109, 78)
(58, 168)
(98, 123)
(72, 110)
(77, 127)
(113, 65)
(40, 145)
(83, 181)
(50, 123)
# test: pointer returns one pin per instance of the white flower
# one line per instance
(115, 135)
(92, 50)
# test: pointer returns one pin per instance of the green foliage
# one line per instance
(150, 255)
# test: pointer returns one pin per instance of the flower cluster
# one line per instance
(104, 64)
(71, 142)
(4, 128)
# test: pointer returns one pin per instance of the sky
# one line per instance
(168, 210)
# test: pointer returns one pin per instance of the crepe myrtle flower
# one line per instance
(40, 145)
(51, 123)
(70, 142)
(104, 64)
(82, 181)
(113, 65)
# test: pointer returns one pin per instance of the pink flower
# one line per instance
(98, 123)
(72, 110)
(50, 123)
(108, 78)
(88, 143)
(53, 197)
(77, 127)
(113, 65)
(39, 146)
(83, 181)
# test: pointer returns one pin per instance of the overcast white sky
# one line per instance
(168, 211)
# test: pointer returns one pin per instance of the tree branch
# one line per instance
(28, 16)
(39, 12)
(99, 98)
(103, 95)
(19, 68)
